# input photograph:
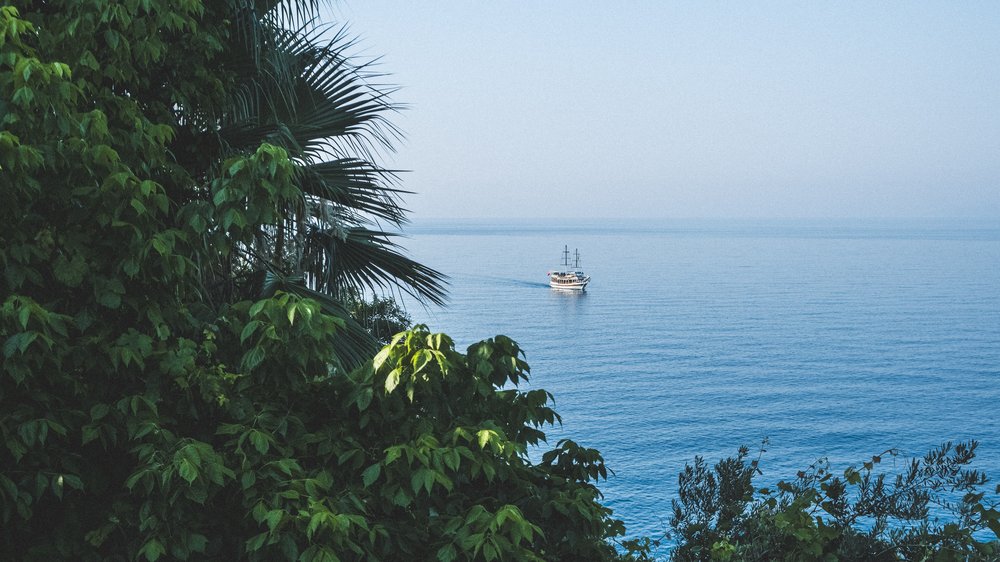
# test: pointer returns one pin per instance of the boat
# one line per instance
(567, 278)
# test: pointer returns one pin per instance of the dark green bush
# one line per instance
(178, 377)
(933, 509)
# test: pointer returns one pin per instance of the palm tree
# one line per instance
(294, 86)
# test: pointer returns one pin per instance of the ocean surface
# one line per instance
(831, 339)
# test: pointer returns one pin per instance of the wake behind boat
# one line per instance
(567, 278)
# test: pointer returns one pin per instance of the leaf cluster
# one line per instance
(383, 317)
(931, 508)
(185, 188)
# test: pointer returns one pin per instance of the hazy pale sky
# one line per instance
(651, 109)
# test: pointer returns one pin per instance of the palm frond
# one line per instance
(369, 260)
(356, 187)
(290, 13)
(298, 88)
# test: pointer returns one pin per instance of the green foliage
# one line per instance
(383, 317)
(865, 514)
(307, 208)
(178, 381)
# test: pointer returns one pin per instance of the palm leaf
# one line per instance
(299, 89)
(369, 260)
(357, 186)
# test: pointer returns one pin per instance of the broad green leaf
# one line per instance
(187, 471)
(420, 360)
(98, 411)
(364, 398)
(392, 380)
(392, 453)
(73, 481)
(248, 480)
(255, 543)
(152, 550)
(484, 436)
(447, 553)
(257, 307)
(249, 329)
(315, 521)
(23, 315)
(273, 518)
(259, 441)
(253, 358)
(371, 474)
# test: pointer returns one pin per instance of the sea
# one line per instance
(828, 339)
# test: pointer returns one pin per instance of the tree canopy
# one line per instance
(190, 199)
(933, 507)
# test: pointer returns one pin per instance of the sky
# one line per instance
(661, 109)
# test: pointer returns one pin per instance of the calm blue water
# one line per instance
(694, 337)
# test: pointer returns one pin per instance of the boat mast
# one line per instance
(566, 255)
(577, 252)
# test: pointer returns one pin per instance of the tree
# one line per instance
(383, 317)
(295, 89)
(179, 379)
(863, 514)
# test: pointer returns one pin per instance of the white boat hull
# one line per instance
(565, 287)
(578, 285)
